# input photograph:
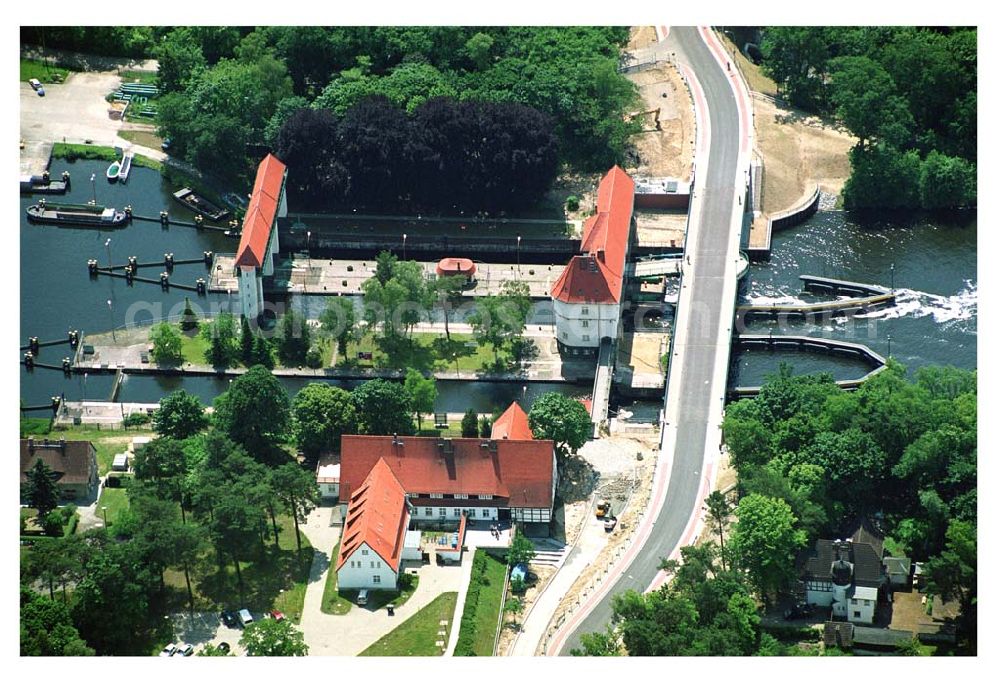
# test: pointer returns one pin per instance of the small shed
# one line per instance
(140, 442)
(898, 570)
(411, 546)
(451, 266)
(120, 462)
(328, 477)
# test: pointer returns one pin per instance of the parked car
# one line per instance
(229, 618)
(184, 649)
(246, 618)
(165, 146)
(169, 650)
(362, 597)
(801, 610)
(37, 86)
(224, 646)
(276, 615)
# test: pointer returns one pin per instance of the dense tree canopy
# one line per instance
(179, 416)
(254, 411)
(384, 408)
(907, 93)
(320, 415)
(553, 416)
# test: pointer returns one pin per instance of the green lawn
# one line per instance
(276, 580)
(140, 77)
(84, 151)
(417, 635)
(425, 352)
(147, 139)
(193, 348)
(44, 72)
(115, 500)
(339, 603)
(486, 611)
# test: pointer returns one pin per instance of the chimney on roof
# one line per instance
(600, 255)
(445, 446)
(397, 444)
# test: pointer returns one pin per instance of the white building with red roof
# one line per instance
(444, 479)
(259, 239)
(371, 546)
(586, 299)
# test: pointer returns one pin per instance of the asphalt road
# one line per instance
(699, 354)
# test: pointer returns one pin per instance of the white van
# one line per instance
(246, 618)
(362, 597)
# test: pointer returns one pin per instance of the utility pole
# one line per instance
(107, 248)
(111, 315)
(93, 187)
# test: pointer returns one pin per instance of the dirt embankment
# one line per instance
(641, 37)
(799, 150)
(669, 150)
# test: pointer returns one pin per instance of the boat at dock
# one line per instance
(43, 185)
(200, 205)
(114, 170)
(75, 214)
(126, 166)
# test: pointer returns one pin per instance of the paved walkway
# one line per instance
(592, 540)
(352, 633)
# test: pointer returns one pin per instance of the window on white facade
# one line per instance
(585, 311)
(868, 602)
(428, 512)
(460, 495)
(472, 512)
(586, 338)
(376, 579)
(485, 497)
(364, 552)
(857, 614)
(442, 512)
(565, 334)
(458, 512)
(372, 564)
(584, 323)
(437, 495)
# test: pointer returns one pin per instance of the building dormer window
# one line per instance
(437, 495)
(463, 496)
(485, 497)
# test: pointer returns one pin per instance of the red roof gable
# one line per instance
(512, 425)
(261, 212)
(519, 471)
(596, 275)
(376, 516)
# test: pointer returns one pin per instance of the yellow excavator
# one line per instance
(656, 117)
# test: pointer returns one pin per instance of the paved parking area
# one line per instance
(203, 628)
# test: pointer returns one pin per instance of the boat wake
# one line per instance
(948, 310)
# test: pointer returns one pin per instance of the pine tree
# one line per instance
(470, 424)
(41, 491)
(262, 354)
(246, 342)
(189, 321)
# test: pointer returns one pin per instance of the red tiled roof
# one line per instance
(376, 516)
(512, 425)
(519, 471)
(595, 275)
(261, 212)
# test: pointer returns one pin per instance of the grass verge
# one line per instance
(43, 71)
(477, 631)
(417, 635)
(141, 138)
(115, 501)
(72, 152)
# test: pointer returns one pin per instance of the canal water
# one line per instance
(931, 261)
(935, 269)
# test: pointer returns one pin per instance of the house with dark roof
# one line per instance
(510, 478)
(586, 298)
(371, 546)
(847, 574)
(73, 463)
(259, 237)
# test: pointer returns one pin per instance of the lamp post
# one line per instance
(105, 510)
(404, 246)
(308, 237)
(111, 314)
(519, 255)
(888, 338)
(892, 276)
(93, 187)
(107, 248)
